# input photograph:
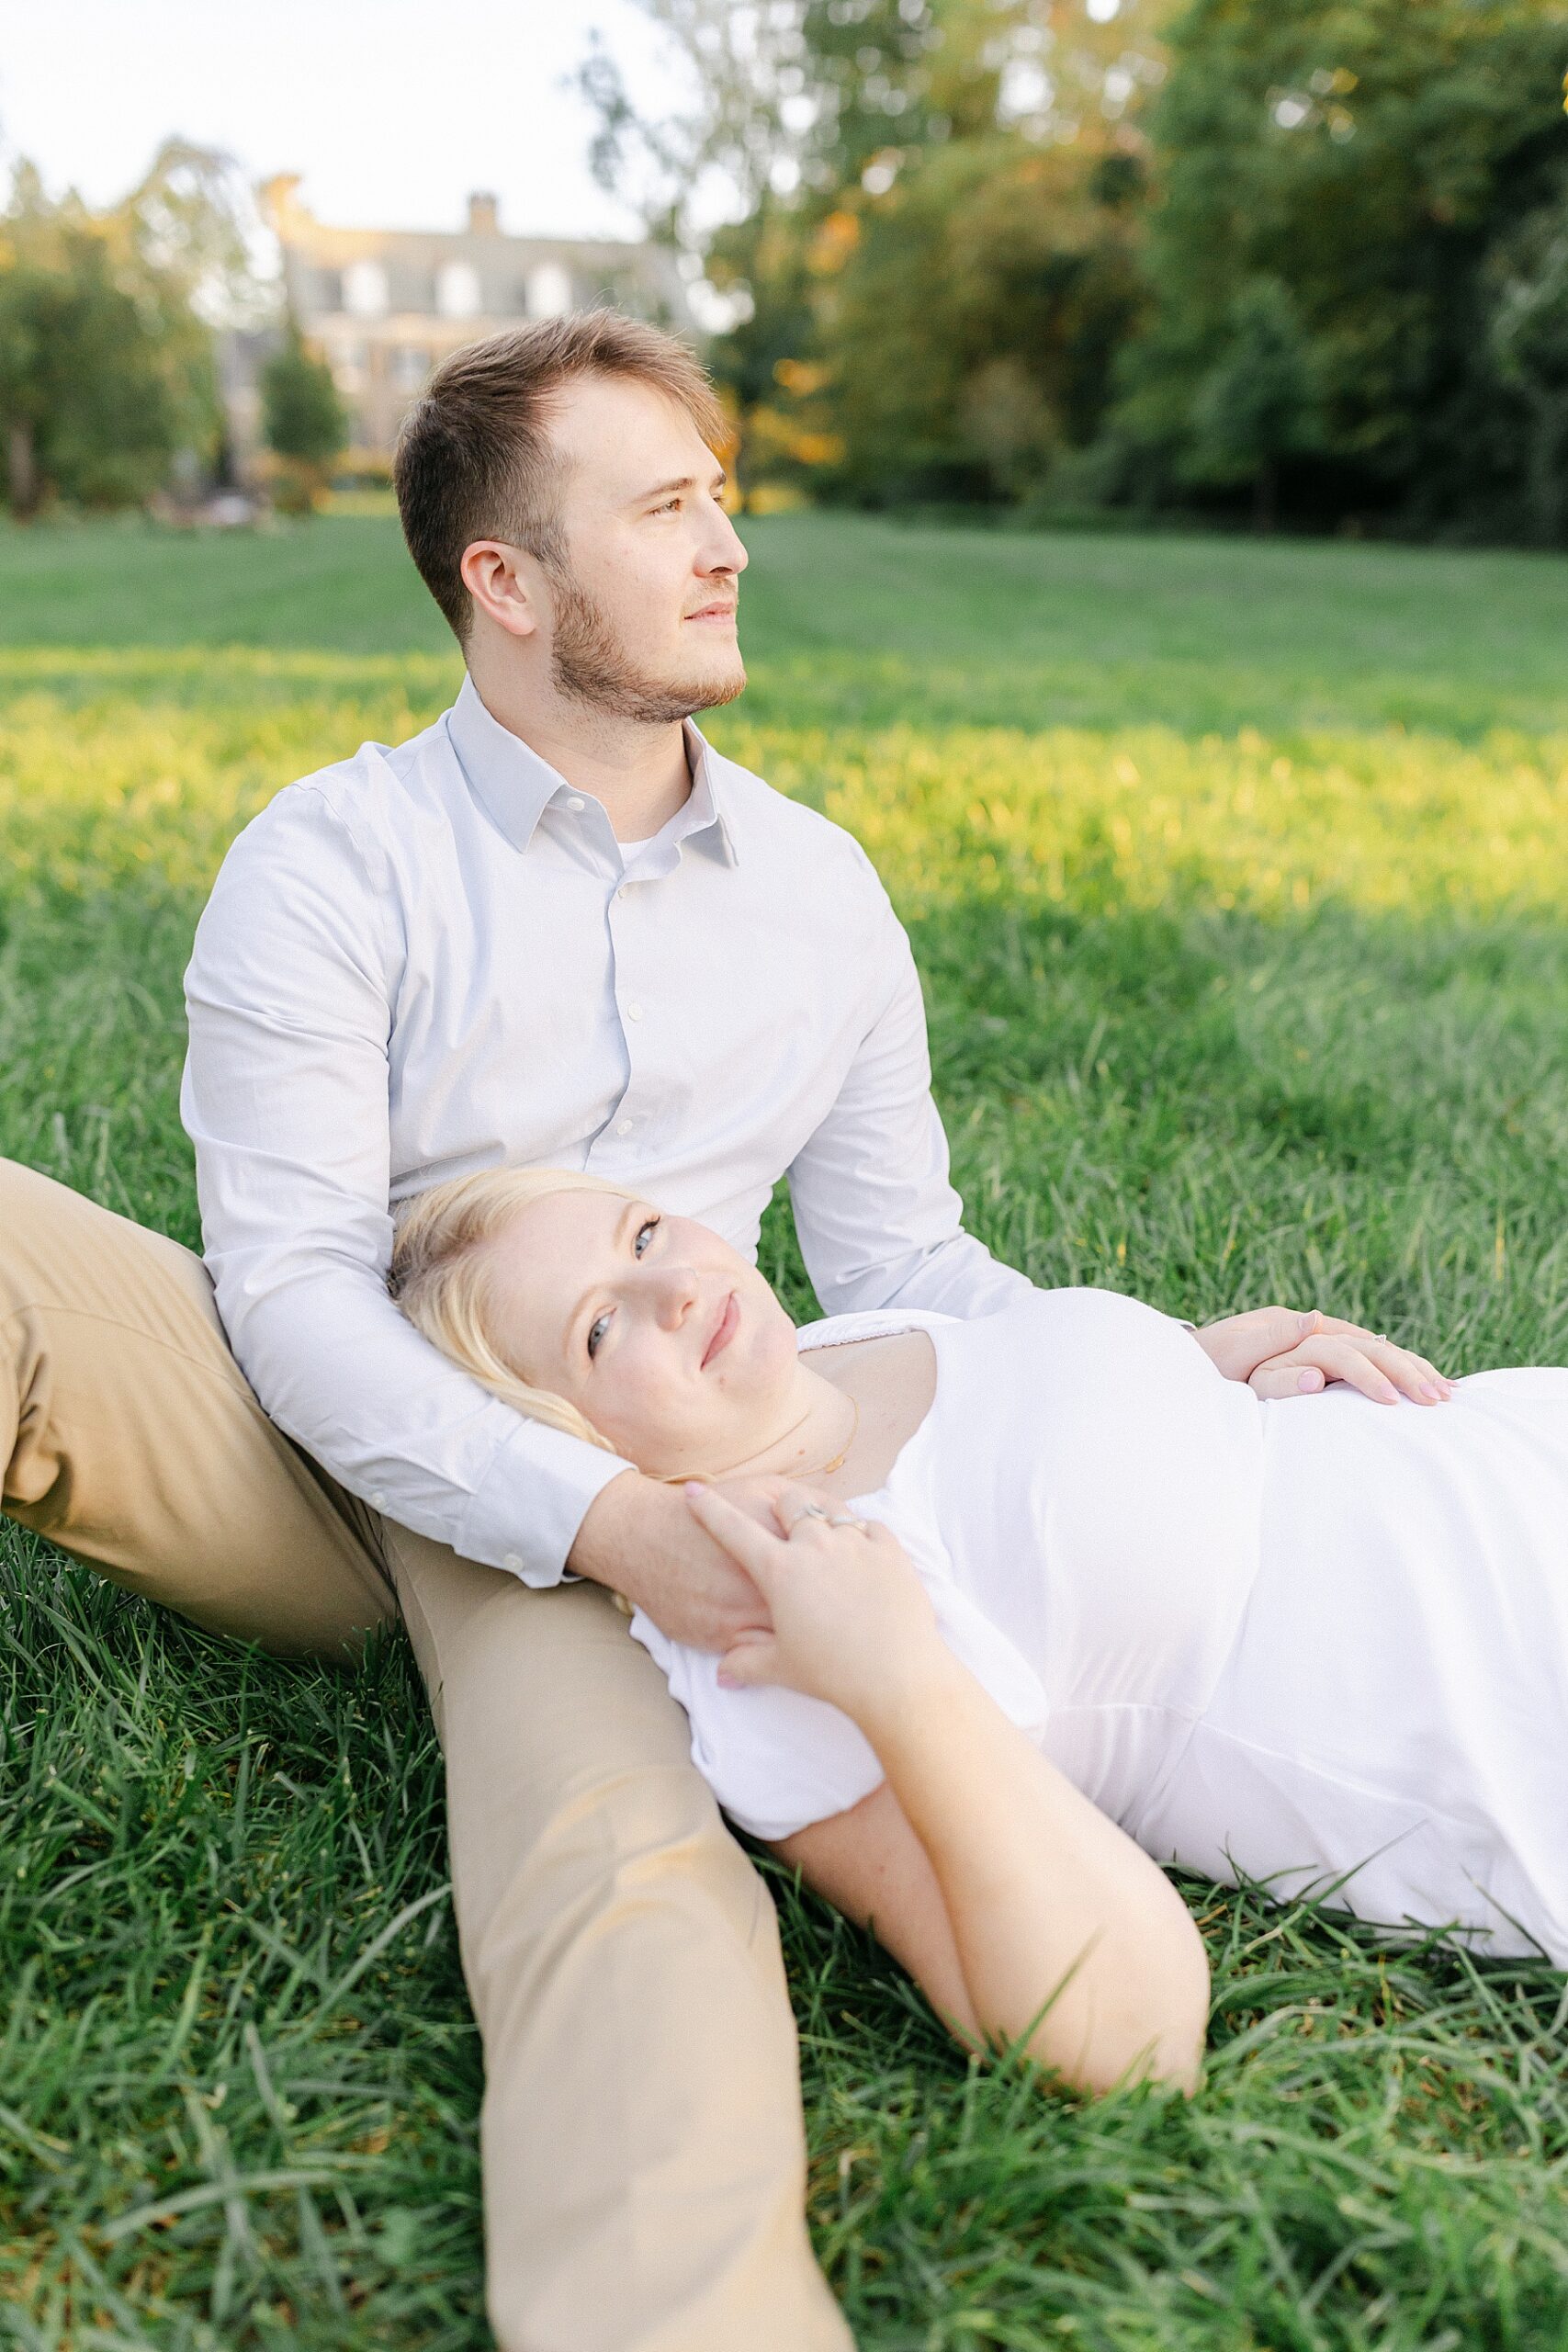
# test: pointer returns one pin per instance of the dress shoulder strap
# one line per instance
(838, 1331)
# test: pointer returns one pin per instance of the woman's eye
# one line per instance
(639, 1244)
(597, 1333)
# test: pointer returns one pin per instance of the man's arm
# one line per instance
(879, 1221)
(285, 1101)
(881, 1226)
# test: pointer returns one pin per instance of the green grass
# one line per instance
(1237, 875)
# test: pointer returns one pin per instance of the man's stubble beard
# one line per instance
(588, 664)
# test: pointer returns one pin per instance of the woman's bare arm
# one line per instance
(1025, 1914)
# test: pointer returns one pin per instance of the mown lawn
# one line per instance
(1239, 876)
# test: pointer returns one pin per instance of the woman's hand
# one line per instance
(851, 1622)
(1281, 1353)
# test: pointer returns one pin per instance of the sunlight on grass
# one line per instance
(116, 764)
(1236, 876)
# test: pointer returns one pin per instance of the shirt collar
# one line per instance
(515, 785)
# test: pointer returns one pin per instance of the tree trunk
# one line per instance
(21, 471)
(1547, 470)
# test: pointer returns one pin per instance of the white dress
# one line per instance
(1321, 1644)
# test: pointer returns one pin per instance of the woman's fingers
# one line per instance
(1287, 1375)
(751, 1661)
(1396, 1360)
(1374, 1366)
(758, 1552)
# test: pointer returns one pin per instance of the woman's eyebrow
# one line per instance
(633, 1209)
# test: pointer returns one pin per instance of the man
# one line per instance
(554, 928)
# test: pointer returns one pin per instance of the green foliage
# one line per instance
(1259, 404)
(1236, 871)
(303, 419)
(997, 249)
(105, 370)
(934, 266)
(1530, 345)
(971, 322)
(1370, 159)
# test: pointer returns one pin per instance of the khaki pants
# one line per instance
(643, 2154)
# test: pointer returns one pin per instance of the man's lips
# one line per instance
(722, 1330)
(713, 613)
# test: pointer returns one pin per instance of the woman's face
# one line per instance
(671, 1344)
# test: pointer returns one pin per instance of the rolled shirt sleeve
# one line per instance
(879, 1221)
(289, 997)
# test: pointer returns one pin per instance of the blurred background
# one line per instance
(1282, 264)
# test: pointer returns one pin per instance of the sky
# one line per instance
(392, 111)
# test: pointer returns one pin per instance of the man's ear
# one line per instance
(504, 583)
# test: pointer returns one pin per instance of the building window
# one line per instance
(549, 291)
(411, 365)
(365, 289)
(457, 292)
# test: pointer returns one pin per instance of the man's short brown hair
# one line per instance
(474, 457)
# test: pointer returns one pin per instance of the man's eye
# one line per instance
(597, 1333)
(639, 1244)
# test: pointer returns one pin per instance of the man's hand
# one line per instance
(1281, 1353)
(640, 1539)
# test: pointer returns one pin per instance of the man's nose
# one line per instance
(724, 549)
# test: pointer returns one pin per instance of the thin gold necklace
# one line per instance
(842, 1455)
(687, 1477)
(822, 1470)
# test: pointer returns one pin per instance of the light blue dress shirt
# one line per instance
(432, 959)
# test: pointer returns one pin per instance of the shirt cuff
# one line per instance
(524, 1515)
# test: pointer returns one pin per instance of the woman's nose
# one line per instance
(677, 1294)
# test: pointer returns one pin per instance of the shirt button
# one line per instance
(378, 1499)
(633, 1012)
(623, 1126)
(575, 805)
(513, 1561)
(622, 891)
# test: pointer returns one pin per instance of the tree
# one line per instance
(1368, 157)
(931, 263)
(1529, 342)
(106, 359)
(303, 420)
(1259, 404)
(101, 382)
(971, 318)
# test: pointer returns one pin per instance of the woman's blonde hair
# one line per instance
(441, 1277)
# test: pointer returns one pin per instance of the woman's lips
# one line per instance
(722, 1330)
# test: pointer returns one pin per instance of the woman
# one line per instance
(1052, 1602)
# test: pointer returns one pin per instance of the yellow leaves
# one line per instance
(834, 243)
(802, 379)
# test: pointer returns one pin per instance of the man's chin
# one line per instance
(711, 693)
